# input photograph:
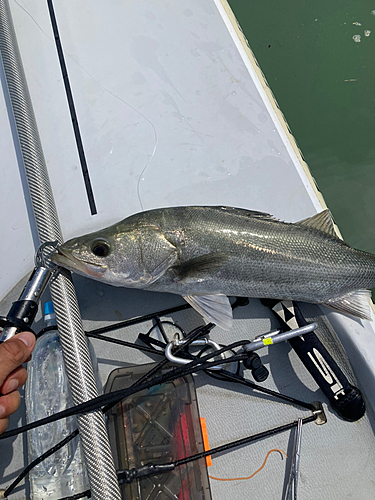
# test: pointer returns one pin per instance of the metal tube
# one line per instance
(25, 308)
(279, 337)
(36, 285)
(7, 333)
(94, 438)
(291, 492)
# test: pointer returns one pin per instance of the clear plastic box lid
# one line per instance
(158, 425)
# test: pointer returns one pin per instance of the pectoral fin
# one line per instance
(214, 308)
(355, 303)
(199, 265)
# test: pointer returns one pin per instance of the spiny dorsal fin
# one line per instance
(245, 212)
(322, 221)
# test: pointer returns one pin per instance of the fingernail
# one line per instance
(2, 411)
(27, 338)
(12, 385)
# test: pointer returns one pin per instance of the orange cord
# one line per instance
(252, 475)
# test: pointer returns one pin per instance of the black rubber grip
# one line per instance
(345, 399)
(21, 315)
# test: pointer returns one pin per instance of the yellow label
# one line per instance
(267, 341)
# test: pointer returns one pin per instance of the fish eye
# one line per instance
(100, 248)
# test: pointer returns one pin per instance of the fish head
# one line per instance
(130, 257)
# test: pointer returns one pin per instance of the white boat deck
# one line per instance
(173, 110)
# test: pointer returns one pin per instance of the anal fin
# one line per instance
(214, 308)
(355, 303)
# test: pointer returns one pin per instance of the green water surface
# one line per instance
(324, 82)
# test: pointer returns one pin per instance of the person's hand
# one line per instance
(13, 353)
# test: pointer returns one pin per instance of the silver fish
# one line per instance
(208, 253)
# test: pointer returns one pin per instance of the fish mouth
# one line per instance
(70, 262)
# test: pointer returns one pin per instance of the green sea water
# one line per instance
(324, 83)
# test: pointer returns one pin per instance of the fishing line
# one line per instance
(242, 380)
(171, 375)
(194, 334)
(227, 376)
(200, 331)
(86, 493)
(108, 400)
(124, 343)
(73, 434)
(116, 396)
(128, 476)
(38, 460)
(141, 319)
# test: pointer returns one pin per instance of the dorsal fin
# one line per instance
(322, 221)
(245, 212)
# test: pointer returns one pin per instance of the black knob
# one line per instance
(254, 363)
(260, 374)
